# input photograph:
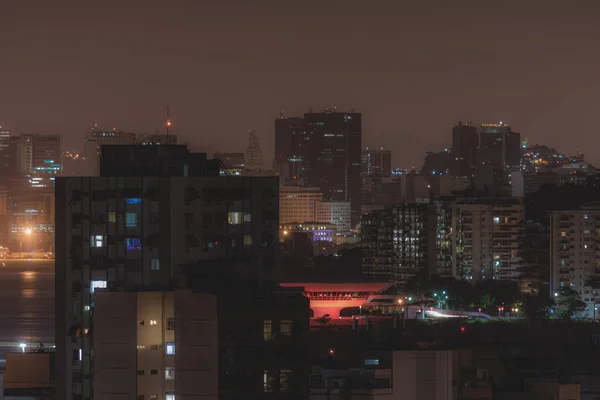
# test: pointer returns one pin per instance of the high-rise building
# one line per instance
(414, 238)
(499, 146)
(153, 345)
(128, 232)
(254, 155)
(335, 212)
(334, 156)
(574, 253)
(377, 246)
(464, 144)
(298, 204)
(231, 163)
(376, 162)
(487, 234)
(95, 140)
(292, 146)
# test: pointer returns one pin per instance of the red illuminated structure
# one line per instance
(331, 298)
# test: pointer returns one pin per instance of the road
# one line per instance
(26, 302)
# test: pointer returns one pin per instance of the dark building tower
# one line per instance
(334, 156)
(292, 146)
(499, 147)
(464, 143)
(376, 162)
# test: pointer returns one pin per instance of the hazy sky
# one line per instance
(412, 68)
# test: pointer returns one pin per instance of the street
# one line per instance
(26, 302)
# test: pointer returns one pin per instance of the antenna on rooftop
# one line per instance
(168, 125)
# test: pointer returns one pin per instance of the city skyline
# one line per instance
(416, 70)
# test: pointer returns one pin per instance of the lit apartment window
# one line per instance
(268, 329)
(170, 349)
(153, 397)
(170, 396)
(97, 241)
(153, 322)
(134, 244)
(170, 373)
(112, 217)
(285, 327)
(267, 382)
(133, 200)
(154, 264)
(235, 218)
(284, 378)
(247, 217)
(247, 240)
(131, 220)
(97, 285)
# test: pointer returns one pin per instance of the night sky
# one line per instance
(412, 68)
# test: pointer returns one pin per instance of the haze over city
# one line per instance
(412, 69)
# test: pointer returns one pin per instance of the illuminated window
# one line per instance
(247, 217)
(133, 200)
(235, 218)
(170, 349)
(267, 329)
(247, 240)
(170, 373)
(134, 244)
(97, 285)
(170, 396)
(284, 378)
(112, 217)
(372, 362)
(267, 382)
(97, 241)
(563, 234)
(153, 322)
(131, 220)
(154, 264)
(285, 327)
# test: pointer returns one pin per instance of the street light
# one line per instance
(22, 346)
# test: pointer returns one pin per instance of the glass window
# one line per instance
(247, 240)
(170, 349)
(154, 264)
(235, 218)
(285, 327)
(153, 322)
(267, 382)
(170, 396)
(97, 241)
(112, 217)
(268, 329)
(371, 362)
(134, 244)
(131, 219)
(170, 324)
(284, 378)
(97, 285)
(169, 373)
(133, 200)
(247, 217)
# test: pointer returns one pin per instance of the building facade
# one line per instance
(335, 212)
(98, 138)
(298, 204)
(254, 155)
(376, 162)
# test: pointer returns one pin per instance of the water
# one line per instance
(26, 303)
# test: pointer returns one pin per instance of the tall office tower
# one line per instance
(254, 155)
(464, 143)
(334, 156)
(292, 146)
(154, 345)
(376, 162)
(7, 157)
(231, 163)
(337, 213)
(499, 147)
(97, 138)
(38, 158)
(487, 234)
(298, 204)
(376, 243)
(575, 254)
(414, 237)
(143, 227)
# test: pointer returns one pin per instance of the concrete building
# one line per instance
(335, 212)
(487, 237)
(155, 345)
(131, 233)
(375, 162)
(574, 253)
(231, 163)
(464, 144)
(254, 155)
(499, 146)
(97, 138)
(298, 204)
(376, 242)
(292, 148)
(526, 183)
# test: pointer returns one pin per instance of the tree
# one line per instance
(538, 306)
(568, 303)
